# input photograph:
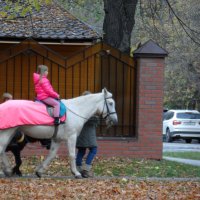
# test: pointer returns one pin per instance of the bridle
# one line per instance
(108, 110)
(103, 117)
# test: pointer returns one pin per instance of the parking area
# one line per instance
(178, 146)
(181, 141)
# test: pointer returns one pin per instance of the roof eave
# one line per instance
(56, 40)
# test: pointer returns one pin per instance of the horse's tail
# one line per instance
(18, 141)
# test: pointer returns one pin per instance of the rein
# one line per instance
(77, 114)
(103, 117)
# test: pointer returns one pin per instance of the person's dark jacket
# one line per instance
(87, 137)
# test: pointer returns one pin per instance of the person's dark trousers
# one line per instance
(90, 156)
(80, 155)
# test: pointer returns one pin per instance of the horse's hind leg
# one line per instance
(72, 155)
(17, 154)
(5, 137)
(52, 153)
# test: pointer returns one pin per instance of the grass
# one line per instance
(144, 168)
(186, 155)
(117, 166)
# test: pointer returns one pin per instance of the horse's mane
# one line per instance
(79, 99)
(78, 104)
(88, 96)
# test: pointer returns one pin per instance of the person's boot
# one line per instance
(56, 121)
(86, 171)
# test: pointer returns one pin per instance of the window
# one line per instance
(169, 115)
(188, 115)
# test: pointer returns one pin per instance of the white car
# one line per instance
(183, 124)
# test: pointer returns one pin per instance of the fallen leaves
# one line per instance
(60, 184)
(47, 188)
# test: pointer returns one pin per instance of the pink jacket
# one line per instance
(43, 88)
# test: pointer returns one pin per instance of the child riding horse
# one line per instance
(79, 110)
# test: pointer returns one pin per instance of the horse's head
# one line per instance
(109, 112)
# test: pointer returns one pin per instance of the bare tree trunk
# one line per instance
(118, 23)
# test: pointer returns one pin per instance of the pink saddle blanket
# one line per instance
(24, 112)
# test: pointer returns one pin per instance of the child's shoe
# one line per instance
(56, 121)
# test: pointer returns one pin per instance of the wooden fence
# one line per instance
(93, 68)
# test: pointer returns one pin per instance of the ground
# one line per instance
(115, 188)
(110, 181)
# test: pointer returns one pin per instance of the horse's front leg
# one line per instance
(5, 138)
(6, 165)
(72, 155)
(52, 153)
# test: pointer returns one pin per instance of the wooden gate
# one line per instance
(91, 69)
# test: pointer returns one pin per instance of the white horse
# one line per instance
(79, 110)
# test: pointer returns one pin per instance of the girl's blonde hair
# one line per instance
(41, 70)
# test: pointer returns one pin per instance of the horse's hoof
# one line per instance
(38, 174)
(19, 174)
(16, 172)
(8, 173)
(78, 177)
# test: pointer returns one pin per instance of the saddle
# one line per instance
(50, 108)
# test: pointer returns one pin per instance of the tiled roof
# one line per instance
(150, 49)
(51, 22)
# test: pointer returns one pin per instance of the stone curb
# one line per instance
(120, 178)
(185, 161)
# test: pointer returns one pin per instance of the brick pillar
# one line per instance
(149, 103)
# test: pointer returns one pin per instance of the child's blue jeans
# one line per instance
(81, 152)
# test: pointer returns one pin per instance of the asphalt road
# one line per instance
(181, 146)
